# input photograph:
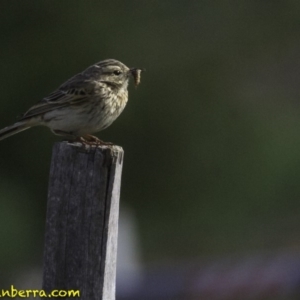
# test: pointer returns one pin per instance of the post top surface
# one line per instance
(113, 151)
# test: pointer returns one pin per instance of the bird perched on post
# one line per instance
(87, 103)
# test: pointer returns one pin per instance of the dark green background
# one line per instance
(211, 136)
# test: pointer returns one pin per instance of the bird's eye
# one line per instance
(117, 72)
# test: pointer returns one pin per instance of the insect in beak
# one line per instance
(136, 73)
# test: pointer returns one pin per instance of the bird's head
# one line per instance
(115, 73)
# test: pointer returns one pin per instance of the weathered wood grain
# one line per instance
(82, 220)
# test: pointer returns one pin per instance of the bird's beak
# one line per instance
(136, 73)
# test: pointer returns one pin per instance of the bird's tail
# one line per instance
(13, 129)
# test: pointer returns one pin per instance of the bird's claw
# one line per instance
(92, 141)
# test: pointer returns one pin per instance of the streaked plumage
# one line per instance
(87, 103)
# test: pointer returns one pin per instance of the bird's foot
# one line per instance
(93, 141)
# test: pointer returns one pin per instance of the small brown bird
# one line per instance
(87, 103)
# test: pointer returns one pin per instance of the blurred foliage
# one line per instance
(211, 136)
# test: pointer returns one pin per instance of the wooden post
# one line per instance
(82, 220)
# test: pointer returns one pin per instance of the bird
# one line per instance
(87, 103)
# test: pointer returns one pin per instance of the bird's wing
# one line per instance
(73, 92)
